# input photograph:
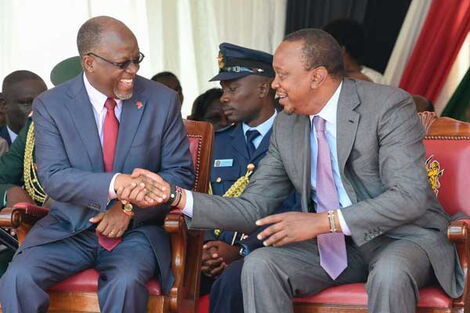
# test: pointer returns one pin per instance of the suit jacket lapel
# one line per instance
(82, 116)
(301, 156)
(128, 125)
(347, 123)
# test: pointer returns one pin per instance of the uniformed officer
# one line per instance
(248, 101)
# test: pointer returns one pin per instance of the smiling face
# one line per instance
(292, 81)
(117, 44)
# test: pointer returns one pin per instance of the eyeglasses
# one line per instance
(122, 65)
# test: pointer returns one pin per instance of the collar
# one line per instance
(97, 98)
(12, 134)
(263, 128)
(329, 111)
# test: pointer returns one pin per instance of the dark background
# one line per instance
(382, 20)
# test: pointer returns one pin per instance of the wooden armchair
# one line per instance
(447, 144)
(78, 293)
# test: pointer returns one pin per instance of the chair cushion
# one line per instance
(87, 281)
(452, 157)
(203, 304)
(355, 294)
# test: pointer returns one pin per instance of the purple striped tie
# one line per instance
(331, 246)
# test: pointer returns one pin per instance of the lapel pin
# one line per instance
(138, 104)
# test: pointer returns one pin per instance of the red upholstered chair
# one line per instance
(78, 293)
(448, 143)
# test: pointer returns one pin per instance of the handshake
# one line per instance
(145, 189)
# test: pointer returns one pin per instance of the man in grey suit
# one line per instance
(354, 152)
(91, 133)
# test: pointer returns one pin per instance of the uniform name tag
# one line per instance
(223, 163)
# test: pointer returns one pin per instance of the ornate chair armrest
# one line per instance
(20, 213)
(186, 254)
(458, 233)
(32, 210)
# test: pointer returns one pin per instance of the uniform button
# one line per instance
(218, 180)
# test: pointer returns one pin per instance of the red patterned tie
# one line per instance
(110, 135)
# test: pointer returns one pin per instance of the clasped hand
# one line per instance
(216, 256)
(143, 188)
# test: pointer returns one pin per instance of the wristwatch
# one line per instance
(128, 208)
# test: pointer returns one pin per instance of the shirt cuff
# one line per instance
(343, 224)
(111, 193)
(188, 207)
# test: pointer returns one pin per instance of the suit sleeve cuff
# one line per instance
(343, 224)
(111, 193)
(188, 207)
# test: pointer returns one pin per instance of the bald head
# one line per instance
(91, 33)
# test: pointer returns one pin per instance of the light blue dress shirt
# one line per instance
(263, 129)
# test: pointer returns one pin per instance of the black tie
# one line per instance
(250, 136)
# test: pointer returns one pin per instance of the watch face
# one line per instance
(128, 207)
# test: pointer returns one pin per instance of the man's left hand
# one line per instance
(112, 223)
(292, 227)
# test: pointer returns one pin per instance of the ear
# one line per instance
(264, 89)
(318, 76)
(3, 104)
(88, 63)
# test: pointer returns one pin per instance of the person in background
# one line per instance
(207, 107)
(171, 81)
(3, 110)
(351, 37)
(19, 88)
(248, 102)
(423, 104)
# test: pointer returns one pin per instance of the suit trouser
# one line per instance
(121, 285)
(393, 269)
(226, 293)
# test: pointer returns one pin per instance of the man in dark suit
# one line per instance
(19, 88)
(90, 133)
(356, 149)
(248, 102)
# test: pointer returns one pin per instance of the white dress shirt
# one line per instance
(97, 100)
(12, 134)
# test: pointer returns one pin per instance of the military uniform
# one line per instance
(236, 148)
(230, 159)
(11, 174)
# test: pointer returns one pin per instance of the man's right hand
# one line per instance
(16, 195)
(132, 189)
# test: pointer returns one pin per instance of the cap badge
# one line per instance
(220, 60)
